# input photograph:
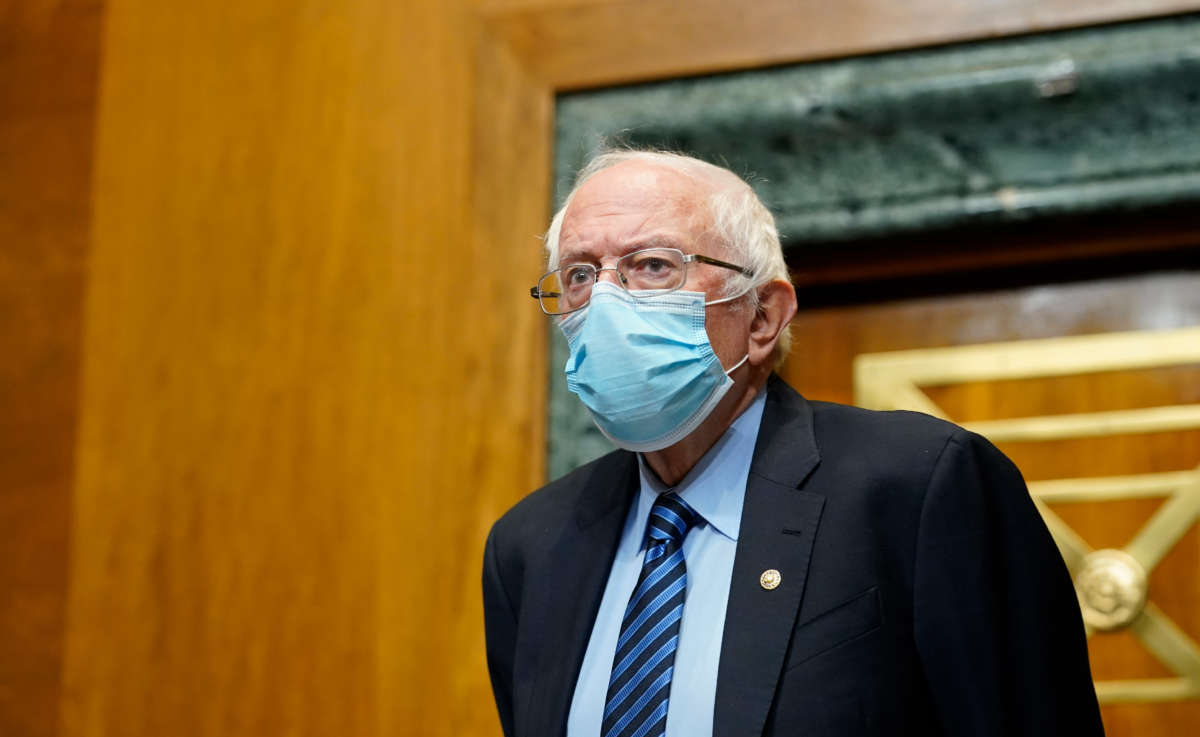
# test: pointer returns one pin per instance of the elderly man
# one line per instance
(752, 563)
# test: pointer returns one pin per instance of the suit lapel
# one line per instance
(571, 589)
(779, 525)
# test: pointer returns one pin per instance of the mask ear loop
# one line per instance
(737, 365)
(739, 295)
(723, 300)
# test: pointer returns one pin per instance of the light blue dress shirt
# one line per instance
(715, 488)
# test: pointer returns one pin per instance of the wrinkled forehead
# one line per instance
(637, 205)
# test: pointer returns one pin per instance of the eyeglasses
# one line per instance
(569, 287)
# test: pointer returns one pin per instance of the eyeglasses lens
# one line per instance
(567, 289)
(653, 268)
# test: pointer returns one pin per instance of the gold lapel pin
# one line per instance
(770, 579)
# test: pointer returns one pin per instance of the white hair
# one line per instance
(739, 220)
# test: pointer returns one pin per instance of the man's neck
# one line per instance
(673, 463)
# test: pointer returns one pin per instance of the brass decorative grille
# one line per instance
(1111, 583)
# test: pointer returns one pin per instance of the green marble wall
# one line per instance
(1066, 124)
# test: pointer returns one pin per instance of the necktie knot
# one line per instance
(670, 519)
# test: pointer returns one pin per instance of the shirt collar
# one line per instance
(716, 485)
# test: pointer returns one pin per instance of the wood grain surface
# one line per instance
(587, 43)
(49, 54)
(311, 382)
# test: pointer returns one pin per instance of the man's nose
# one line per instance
(611, 274)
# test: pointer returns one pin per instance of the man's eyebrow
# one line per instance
(637, 244)
(570, 257)
(653, 241)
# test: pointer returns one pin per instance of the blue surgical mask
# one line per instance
(644, 367)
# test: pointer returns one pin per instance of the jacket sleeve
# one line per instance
(500, 627)
(996, 621)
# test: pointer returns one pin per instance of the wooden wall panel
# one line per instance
(586, 43)
(506, 362)
(311, 382)
(48, 58)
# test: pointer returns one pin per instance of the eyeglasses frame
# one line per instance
(687, 258)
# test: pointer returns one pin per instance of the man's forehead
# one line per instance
(635, 201)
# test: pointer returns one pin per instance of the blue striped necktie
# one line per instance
(645, 659)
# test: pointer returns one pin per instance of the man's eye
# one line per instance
(653, 266)
(578, 276)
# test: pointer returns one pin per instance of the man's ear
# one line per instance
(776, 307)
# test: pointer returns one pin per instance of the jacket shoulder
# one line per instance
(842, 429)
(838, 421)
(899, 445)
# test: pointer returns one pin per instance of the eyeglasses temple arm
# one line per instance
(715, 262)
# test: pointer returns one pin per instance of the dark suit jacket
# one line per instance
(921, 592)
